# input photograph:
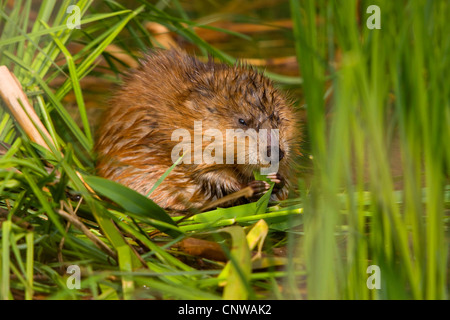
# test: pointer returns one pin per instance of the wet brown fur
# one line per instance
(171, 90)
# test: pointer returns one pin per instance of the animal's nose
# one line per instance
(280, 152)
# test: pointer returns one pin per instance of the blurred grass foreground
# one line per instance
(369, 220)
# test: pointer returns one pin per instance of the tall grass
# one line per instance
(51, 212)
(388, 84)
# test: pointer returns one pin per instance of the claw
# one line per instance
(259, 186)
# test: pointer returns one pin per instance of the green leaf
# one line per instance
(133, 202)
(126, 265)
(29, 265)
(60, 27)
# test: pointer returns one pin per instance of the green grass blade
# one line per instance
(131, 201)
(5, 265)
(237, 280)
(62, 27)
(76, 88)
(29, 265)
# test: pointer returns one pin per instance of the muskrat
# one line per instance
(170, 90)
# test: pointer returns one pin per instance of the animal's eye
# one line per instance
(242, 121)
